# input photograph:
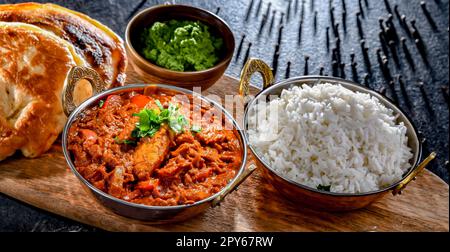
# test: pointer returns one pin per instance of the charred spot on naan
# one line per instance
(101, 48)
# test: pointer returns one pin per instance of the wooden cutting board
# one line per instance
(48, 183)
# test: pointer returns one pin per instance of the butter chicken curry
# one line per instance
(144, 147)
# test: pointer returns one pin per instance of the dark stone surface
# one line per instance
(432, 119)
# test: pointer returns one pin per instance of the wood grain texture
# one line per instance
(48, 183)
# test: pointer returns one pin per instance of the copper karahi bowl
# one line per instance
(153, 214)
(311, 197)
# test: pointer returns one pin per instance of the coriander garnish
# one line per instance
(150, 120)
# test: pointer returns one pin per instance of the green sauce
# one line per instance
(181, 45)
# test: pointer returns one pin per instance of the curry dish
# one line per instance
(145, 148)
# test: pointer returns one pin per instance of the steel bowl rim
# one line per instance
(222, 63)
(84, 105)
(336, 80)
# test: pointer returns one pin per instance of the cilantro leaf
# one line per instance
(101, 103)
(177, 122)
(150, 120)
(149, 123)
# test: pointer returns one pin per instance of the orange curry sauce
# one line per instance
(162, 170)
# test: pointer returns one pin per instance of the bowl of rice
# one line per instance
(329, 143)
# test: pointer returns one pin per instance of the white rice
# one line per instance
(331, 136)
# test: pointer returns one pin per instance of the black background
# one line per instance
(428, 109)
(286, 241)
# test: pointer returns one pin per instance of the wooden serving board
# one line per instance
(48, 183)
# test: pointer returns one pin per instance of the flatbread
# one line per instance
(33, 66)
(100, 47)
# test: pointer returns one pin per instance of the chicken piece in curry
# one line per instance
(146, 149)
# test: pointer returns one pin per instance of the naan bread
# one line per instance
(100, 47)
(33, 67)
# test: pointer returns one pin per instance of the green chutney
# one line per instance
(181, 45)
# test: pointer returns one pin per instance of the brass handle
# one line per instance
(251, 168)
(252, 66)
(398, 189)
(76, 74)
